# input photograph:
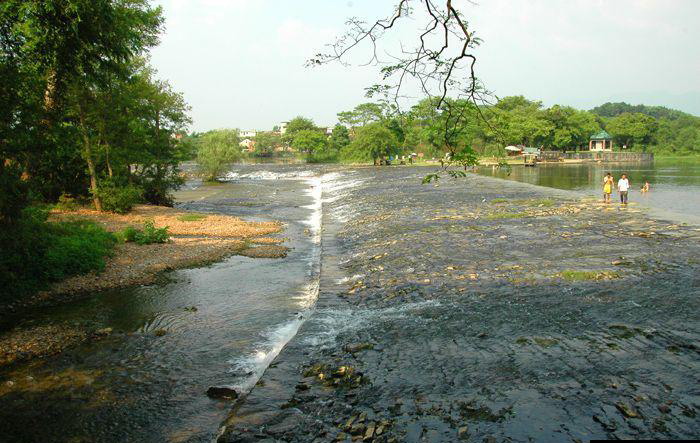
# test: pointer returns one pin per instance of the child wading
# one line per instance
(623, 185)
(607, 187)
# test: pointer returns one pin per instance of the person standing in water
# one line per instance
(607, 187)
(623, 186)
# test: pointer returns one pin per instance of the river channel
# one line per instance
(224, 324)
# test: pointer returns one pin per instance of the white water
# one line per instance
(335, 322)
(268, 175)
(275, 338)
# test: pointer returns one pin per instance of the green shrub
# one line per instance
(67, 202)
(119, 199)
(146, 236)
(36, 253)
(76, 247)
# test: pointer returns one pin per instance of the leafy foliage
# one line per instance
(372, 142)
(309, 141)
(37, 253)
(216, 150)
(265, 143)
(146, 236)
(119, 199)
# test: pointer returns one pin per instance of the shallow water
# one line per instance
(460, 326)
(674, 183)
(417, 304)
(224, 323)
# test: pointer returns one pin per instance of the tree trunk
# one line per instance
(87, 152)
(92, 172)
(109, 165)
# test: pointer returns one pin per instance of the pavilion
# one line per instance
(600, 141)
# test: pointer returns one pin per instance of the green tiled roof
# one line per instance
(602, 135)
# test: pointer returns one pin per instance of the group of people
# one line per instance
(623, 187)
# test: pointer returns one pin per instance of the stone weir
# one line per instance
(603, 156)
(486, 310)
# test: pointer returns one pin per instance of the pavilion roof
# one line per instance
(601, 135)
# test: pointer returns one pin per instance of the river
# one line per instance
(225, 323)
(377, 257)
(674, 183)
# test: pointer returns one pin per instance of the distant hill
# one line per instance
(614, 109)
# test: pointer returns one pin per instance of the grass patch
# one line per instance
(192, 217)
(505, 215)
(499, 200)
(574, 275)
(545, 342)
(546, 202)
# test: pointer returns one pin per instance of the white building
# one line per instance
(248, 134)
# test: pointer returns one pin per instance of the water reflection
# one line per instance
(674, 183)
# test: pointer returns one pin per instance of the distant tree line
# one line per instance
(373, 132)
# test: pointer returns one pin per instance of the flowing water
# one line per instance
(430, 286)
(674, 183)
(225, 323)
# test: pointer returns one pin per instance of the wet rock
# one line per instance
(289, 424)
(490, 439)
(626, 410)
(610, 426)
(357, 429)
(103, 331)
(463, 432)
(349, 423)
(369, 433)
(160, 332)
(664, 408)
(357, 347)
(222, 392)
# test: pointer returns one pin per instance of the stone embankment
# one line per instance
(486, 310)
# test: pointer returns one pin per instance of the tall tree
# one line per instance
(216, 150)
(373, 142)
(632, 128)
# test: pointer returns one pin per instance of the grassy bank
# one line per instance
(37, 253)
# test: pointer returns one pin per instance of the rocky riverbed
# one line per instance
(485, 310)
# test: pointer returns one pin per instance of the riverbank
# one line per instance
(144, 357)
(487, 310)
(196, 239)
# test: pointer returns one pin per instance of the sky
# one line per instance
(241, 63)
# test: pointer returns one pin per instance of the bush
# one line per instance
(150, 234)
(119, 199)
(76, 247)
(67, 202)
(36, 253)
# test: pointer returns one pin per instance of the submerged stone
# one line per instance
(222, 392)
